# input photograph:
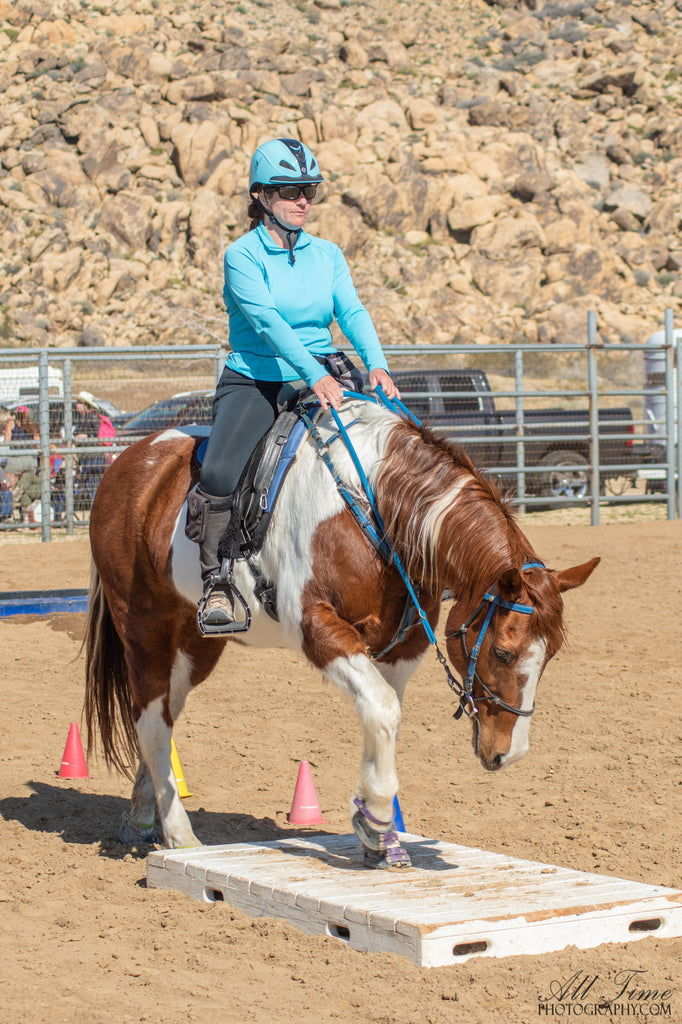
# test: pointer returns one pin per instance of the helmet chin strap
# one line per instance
(291, 234)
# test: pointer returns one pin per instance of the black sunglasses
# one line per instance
(294, 191)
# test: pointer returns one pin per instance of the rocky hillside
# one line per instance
(495, 169)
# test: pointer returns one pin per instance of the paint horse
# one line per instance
(339, 602)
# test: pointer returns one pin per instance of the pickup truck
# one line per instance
(460, 405)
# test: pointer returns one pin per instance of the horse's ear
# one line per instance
(509, 584)
(567, 579)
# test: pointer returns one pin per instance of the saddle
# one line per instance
(263, 475)
(260, 484)
(262, 478)
(259, 488)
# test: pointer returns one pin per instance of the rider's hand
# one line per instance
(381, 378)
(329, 392)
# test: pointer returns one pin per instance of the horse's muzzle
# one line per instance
(492, 762)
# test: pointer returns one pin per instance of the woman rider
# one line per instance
(283, 288)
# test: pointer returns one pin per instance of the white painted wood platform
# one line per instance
(454, 903)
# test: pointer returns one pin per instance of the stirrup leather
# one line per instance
(217, 582)
(380, 846)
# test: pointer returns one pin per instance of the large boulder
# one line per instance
(127, 220)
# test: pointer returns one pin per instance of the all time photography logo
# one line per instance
(629, 993)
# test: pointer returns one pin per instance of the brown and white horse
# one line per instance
(338, 602)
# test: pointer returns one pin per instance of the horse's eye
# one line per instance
(506, 657)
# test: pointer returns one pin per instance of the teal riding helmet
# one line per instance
(283, 162)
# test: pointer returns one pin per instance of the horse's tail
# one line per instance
(108, 703)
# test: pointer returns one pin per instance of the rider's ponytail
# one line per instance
(255, 214)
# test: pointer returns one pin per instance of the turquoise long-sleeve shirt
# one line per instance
(280, 313)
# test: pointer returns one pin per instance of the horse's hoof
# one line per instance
(380, 846)
(393, 859)
(132, 831)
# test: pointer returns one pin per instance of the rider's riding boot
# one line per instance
(207, 520)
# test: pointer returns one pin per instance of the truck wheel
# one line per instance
(571, 480)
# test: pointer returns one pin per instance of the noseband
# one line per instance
(467, 703)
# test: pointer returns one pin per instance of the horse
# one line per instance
(340, 602)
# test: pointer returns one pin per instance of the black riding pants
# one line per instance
(243, 410)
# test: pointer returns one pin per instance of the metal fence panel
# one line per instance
(53, 468)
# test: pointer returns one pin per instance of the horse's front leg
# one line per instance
(336, 648)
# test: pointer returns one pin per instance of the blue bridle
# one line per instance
(376, 533)
(493, 601)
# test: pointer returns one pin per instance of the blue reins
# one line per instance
(376, 532)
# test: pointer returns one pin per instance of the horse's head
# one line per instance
(500, 647)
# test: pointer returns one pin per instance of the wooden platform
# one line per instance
(454, 903)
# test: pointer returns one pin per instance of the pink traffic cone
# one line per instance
(305, 807)
(73, 762)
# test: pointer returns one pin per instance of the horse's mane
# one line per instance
(451, 525)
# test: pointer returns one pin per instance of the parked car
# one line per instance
(183, 409)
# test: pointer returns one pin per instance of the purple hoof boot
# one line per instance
(380, 846)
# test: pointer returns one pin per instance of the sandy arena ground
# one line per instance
(83, 941)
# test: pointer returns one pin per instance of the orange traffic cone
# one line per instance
(73, 762)
(305, 807)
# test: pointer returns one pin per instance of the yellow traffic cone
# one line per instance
(177, 771)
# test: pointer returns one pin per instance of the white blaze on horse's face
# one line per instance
(500, 737)
(531, 667)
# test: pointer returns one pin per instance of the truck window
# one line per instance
(451, 384)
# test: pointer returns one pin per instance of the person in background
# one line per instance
(85, 430)
(5, 417)
(6, 496)
(25, 428)
(283, 290)
(21, 432)
(26, 490)
(6, 426)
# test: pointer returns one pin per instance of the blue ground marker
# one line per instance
(42, 602)
(398, 815)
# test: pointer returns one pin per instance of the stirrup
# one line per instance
(380, 847)
(223, 582)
